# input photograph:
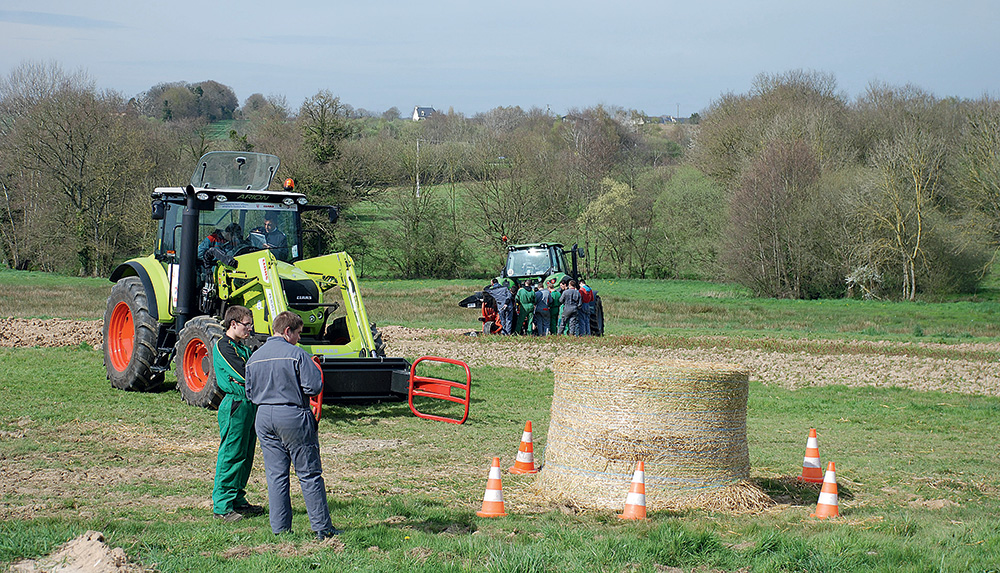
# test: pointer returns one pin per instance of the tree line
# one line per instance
(792, 189)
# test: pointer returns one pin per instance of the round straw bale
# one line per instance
(685, 420)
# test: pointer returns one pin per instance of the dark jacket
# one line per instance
(282, 373)
(543, 298)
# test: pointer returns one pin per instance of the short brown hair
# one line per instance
(287, 319)
(237, 313)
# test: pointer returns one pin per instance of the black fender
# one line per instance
(135, 269)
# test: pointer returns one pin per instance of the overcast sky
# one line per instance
(657, 56)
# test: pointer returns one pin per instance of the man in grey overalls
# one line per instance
(280, 378)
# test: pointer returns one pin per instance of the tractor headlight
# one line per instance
(288, 201)
(302, 200)
(221, 198)
(202, 196)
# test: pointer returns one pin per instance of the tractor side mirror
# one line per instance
(581, 253)
(159, 210)
(334, 214)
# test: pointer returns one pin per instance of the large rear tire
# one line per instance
(597, 317)
(130, 334)
(195, 371)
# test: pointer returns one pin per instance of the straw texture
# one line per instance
(685, 420)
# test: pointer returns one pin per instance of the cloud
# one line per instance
(56, 20)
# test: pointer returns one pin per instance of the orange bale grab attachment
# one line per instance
(425, 387)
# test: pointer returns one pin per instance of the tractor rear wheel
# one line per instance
(597, 317)
(195, 371)
(130, 334)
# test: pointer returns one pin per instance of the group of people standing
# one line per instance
(266, 398)
(542, 310)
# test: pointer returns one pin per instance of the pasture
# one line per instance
(916, 468)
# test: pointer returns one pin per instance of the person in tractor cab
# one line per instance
(281, 377)
(222, 244)
(236, 419)
(273, 238)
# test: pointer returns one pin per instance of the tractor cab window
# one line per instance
(259, 226)
(529, 262)
(234, 170)
(170, 232)
(276, 230)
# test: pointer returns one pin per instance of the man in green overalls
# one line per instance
(525, 309)
(236, 419)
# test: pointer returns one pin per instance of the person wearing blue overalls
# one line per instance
(281, 377)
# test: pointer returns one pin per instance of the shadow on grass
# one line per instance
(794, 491)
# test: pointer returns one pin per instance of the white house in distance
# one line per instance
(422, 112)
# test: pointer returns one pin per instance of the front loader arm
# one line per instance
(337, 269)
(262, 288)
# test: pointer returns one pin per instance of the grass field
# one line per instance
(916, 470)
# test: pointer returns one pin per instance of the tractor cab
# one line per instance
(252, 225)
(234, 207)
(535, 261)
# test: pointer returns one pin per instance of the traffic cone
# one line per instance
(812, 472)
(493, 498)
(635, 502)
(827, 504)
(525, 461)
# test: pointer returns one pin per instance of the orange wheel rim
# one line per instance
(121, 337)
(195, 365)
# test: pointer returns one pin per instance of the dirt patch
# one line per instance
(86, 554)
(788, 369)
(28, 332)
(932, 503)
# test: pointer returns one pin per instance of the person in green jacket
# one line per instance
(525, 309)
(554, 309)
(237, 438)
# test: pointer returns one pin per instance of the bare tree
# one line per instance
(622, 219)
(897, 203)
(89, 154)
(767, 249)
(980, 170)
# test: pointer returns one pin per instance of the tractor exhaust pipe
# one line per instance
(187, 275)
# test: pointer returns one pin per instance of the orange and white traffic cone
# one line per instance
(493, 498)
(524, 463)
(827, 505)
(635, 502)
(812, 472)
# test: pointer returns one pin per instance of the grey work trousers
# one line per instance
(570, 324)
(287, 436)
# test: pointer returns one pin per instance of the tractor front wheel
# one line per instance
(130, 337)
(195, 371)
(379, 343)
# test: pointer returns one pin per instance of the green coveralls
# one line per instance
(237, 438)
(554, 312)
(525, 310)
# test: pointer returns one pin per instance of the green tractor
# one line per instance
(165, 307)
(544, 263)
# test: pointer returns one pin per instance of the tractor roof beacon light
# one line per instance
(289, 184)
